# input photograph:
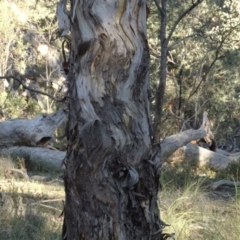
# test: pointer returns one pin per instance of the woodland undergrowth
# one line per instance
(31, 209)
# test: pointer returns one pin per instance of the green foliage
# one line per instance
(232, 59)
(16, 106)
(204, 53)
(32, 25)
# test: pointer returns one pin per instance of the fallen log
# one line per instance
(39, 130)
(202, 157)
(228, 183)
(30, 132)
(170, 144)
(37, 156)
(54, 158)
(177, 148)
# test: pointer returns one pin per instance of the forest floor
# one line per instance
(31, 209)
(194, 210)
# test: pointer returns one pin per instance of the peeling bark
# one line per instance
(111, 186)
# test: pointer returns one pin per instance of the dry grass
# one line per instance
(196, 212)
(29, 209)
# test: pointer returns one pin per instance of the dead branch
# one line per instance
(30, 89)
(220, 183)
(30, 132)
(173, 142)
(43, 157)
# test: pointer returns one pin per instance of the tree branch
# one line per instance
(182, 39)
(205, 76)
(187, 11)
(30, 132)
(30, 89)
(159, 8)
(170, 144)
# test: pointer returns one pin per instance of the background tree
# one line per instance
(197, 55)
(31, 54)
(165, 38)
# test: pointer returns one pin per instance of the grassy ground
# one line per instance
(193, 210)
(30, 209)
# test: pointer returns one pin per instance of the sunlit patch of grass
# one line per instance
(6, 164)
(30, 210)
(33, 225)
(186, 206)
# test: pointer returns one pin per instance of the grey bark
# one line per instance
(228, 183)
(63, 19)
(37, 156)
(170, 144)
(112, 167)
(200, 156)
(176, 148)
(30, 132)
(111, 186)
(203, 157)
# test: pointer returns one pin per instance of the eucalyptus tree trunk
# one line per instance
(112, 173)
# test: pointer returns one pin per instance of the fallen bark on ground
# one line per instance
(30, 132)
(37, 156)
